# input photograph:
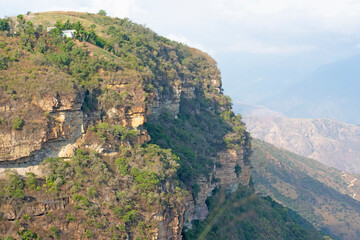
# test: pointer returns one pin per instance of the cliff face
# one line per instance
(223, 171)
(196, 208)
(56, 122)
(88, 124)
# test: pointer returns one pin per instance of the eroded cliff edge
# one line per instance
(139, 89)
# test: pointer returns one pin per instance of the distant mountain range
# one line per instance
(333, 143)
(324, 196)
(254, 110)
(332, 91)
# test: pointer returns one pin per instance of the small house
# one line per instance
(68, 33)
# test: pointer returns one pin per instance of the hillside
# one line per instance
(333, 143)
(331, 91)
(75, 156)
(322, 195)
(244, 215)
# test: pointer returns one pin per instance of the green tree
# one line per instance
(4, 25)
(14, 186)
(20, 18)
(102, 12)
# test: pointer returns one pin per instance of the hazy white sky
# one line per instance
(254, 26)
(246, 32)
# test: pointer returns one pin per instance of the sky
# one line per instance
(253, 41)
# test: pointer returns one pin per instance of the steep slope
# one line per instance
(244, 215)
(322, 195)
(333, 143)
(73, 112)
(329, 92)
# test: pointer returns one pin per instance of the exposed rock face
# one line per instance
(233, 166)
(58, 122)
(169, 102)
(33, 208)
(171, 224)
(224, 175)
(9, 212)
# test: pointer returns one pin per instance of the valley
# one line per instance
(325, 196)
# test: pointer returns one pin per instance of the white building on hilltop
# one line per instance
(68, 33)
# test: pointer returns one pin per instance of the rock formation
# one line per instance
(108, 120)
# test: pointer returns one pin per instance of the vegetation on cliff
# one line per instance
(93, 195)
(196, 138)
(112, 182)
(123, 188)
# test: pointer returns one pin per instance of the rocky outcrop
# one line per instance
(169, 101)
(58, 122)
(231, 169)
(170, 224)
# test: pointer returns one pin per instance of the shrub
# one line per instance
(122, 166)
(91, 192)
(69, 217)
(55, 232)
(3, 62)
(129, 136)
(28, 234)
(18, 123)
(3, 44)
(89, 234)
(145, 180)
(14, 186)
(81, 199)
(31, 180)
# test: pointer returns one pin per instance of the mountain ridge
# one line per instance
(331, 142)
(325, 196)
